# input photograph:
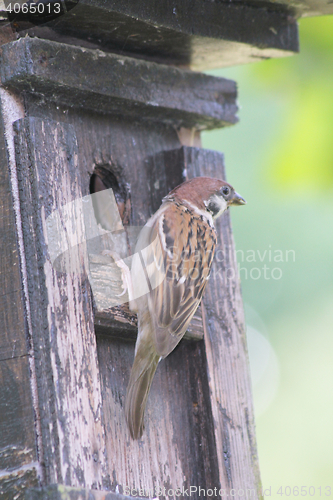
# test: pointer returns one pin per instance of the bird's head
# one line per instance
(207, 194)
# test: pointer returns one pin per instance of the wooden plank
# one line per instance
(18, 455)
(181, 32)
(299, 8)
(13, 341)
(164, 173)
(55, 70)
(61, 309)
(226, 348)
(14, 484)
(17, 436)
(178, 448)
(225, 340)
(60, 492)
(199, 421)
(119, 322)
(173, 431)
(19, 468)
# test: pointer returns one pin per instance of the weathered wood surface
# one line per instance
(18, 455)
(13, 342)
(105, 277)
(226, 348)
(300, 8)
(15, 484)
(113, 84)
(181, 32)
(186, 441)
(60, 492)
(65, 351)
(117, 320)
(226, 372)
(120, 322)
(19, 467)
(158, 461)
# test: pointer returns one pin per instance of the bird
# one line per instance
(170, 268)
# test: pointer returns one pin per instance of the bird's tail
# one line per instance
(143, 370)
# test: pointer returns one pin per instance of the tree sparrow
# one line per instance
(169, 273)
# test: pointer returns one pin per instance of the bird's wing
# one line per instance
(178, 262)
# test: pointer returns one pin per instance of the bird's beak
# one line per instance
(237, 200)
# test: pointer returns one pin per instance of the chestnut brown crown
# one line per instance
(207, 193)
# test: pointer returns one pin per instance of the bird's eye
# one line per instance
(225, 190)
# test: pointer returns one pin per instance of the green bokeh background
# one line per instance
(280, 158)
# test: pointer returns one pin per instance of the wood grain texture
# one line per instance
(19, 468)
(165, 457)
(120, 322)
(77, 77)
(60, 492)
(226, 348)
(15, 484)
(18, 455)
(199, 420)
(111, 319)
(17, 437)
(178, 449)
(197, 34)
(61, 309)
(13, 341)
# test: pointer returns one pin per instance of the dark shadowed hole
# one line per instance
(103, 178)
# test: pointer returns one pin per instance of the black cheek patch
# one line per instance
(213, 208)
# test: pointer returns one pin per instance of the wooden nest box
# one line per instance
(108, 94)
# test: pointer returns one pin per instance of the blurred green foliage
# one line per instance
(280, 158)
(303, 156)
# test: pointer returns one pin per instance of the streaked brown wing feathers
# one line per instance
(186, 266)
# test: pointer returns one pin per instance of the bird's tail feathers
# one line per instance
(142, 373)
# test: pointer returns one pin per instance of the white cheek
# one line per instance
(222, 204)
